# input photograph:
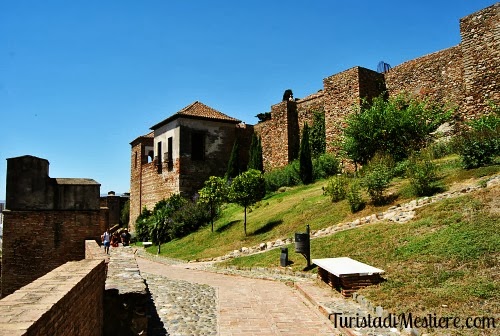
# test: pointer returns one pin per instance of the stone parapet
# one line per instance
(66, 301)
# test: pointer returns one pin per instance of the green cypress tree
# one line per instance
(255, 154)
(233, 166)
(318, 134)
(260, 160)
(251, 153)
(305, 161)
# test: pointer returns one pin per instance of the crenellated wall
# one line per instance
(465, 77)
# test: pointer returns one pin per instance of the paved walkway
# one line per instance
(243, 306)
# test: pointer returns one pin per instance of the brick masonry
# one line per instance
(151, 183)
(46, 221)
(66, 301)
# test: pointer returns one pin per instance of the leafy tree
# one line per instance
(247, 189)
(305, 167)
(397, 127)
(233, 166)
(160, 229)
(214, 193)
(377, 177)
(255, 154)
(318, 134)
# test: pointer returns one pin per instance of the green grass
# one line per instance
(445, 262)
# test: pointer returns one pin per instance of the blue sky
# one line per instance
(79, 80)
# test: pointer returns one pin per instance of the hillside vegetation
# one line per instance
(445, 261)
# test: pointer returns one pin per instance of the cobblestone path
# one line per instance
(194, 302)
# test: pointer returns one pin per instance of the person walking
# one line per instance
(106, 241)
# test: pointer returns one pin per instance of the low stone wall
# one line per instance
(94, 251)
(65, 301)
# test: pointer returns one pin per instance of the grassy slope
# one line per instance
(446, 261)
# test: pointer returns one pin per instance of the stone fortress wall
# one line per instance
(465, 76)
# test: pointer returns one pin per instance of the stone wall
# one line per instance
(464, 76)
(46, 221)
(66, 301)
(138, 162)
(480, 34)
(114, 204)
(36, 242)
(306, 106)
(280, 135)
(219, 141)
(437, 76)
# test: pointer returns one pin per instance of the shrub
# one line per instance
(400, 168)
(440, 149)
(336, 188)
(377, 176)
(397, 127)
(189, 218)
(479, 144)
(142, 225)
(287, 176)
(325, 165)
(422, 173)
(356, 202)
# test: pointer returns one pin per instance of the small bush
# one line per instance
(287, 176)
(325, 165)
(142, 224)
(422, 174)
(440, 149)
(377, 176)
(189, 218)
(336, 188)
(478, 148)
(356, 202)
(480, 144)
(400, 168)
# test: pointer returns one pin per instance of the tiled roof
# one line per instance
(150, 135)
(199, 111)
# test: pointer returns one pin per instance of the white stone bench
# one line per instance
(147, 244)
(346, 274)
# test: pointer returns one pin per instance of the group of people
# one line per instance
(114, 239)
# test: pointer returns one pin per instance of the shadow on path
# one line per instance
(155, 325)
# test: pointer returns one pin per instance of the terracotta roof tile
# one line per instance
(200, 111)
